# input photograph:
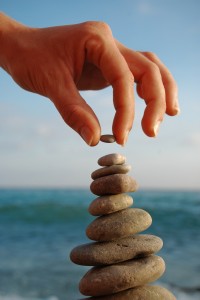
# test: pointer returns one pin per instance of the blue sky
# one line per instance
(38, 149)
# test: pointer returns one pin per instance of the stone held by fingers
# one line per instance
(110, 203)
(118, 225)
(107, 138)
(106, 280)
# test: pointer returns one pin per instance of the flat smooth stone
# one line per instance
(107, 138)
(113, 184)
(111, 159)
(114, 169)
(108, 204)
(107, 253)
(100, 281)
(145, 292)
(120, 224)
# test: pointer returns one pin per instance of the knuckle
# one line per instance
(170, 82)
(153, 69)
(131, 78)
(97, 35)
(72, 115)
(97, 27)
(104, 27)
(150, 55)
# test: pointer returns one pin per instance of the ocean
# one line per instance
(39, 228)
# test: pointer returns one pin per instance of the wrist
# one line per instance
(8, 33)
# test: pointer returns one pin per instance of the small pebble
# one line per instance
(107, 138)
(145, 292)
(100, 281)
(118, 225)
(108, 204)
(113, 184)
(111, 159)
(114, 169)
(108, 253)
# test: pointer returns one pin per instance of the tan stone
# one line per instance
(111, 159)
(114, 169)
(108, 204)
(118, 225)
(100, 281)
(145, 292)
(113, 184)
(107, 253)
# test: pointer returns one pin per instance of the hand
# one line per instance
(57, 62)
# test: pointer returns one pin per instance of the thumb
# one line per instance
(78, 114)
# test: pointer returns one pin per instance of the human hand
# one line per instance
(57, 62)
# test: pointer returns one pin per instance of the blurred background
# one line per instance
(45, 167)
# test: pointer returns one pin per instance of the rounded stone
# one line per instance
(120, 224)
(107, 253)
(113, 184)
(114, 169)
(107, 138)
(145, 292)
(106, 280)
(111, 159)
(108, 204)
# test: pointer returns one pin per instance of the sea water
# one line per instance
(39, 228)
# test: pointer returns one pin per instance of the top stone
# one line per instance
(107, 138)
(111, 159)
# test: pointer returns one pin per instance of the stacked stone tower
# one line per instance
(124, 261)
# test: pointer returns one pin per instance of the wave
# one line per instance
(16, 297)
(179, 293)
(43, 206)
(44, 213)
(50, 205)
(182, 293)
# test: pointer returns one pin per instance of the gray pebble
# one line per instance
(107, 253)
(100, 281)
(107, 138)
(111, 159)
(120, 224)
(114, 169)
(108, 204)
(113, 184)
(145, 292)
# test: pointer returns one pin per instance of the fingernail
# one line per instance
(177, 110)
(156, 128)
(86, 134)
(125, 138)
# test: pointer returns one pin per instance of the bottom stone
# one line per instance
(139, 293)
(101, 281)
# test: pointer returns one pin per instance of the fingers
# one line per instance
(118, 66)
(150, 88)
(77, 113)
(171, 91)
(104, 53)
(158, 88)
(155, 85)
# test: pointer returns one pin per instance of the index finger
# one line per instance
(103, 52)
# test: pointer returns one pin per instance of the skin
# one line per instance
(58, 62)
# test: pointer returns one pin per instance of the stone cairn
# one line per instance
(124, 262)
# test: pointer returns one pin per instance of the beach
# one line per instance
(39, 228)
